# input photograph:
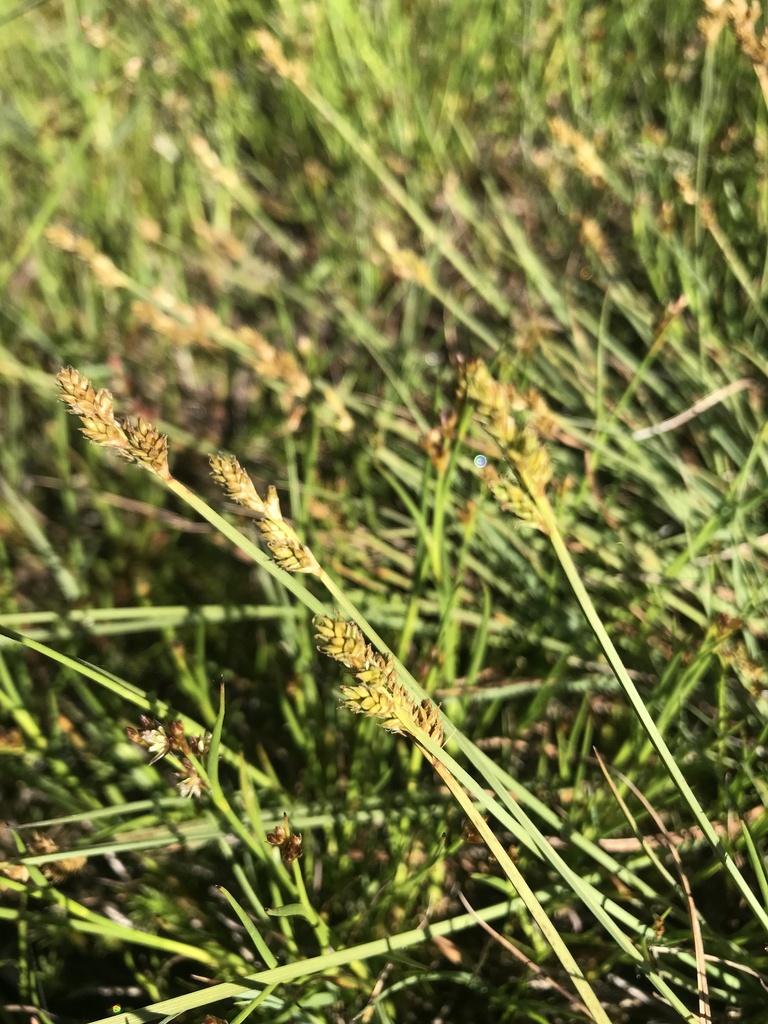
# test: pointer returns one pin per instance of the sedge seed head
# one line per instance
(229, 474)
(290, 843)
(138, 442)
(516, 422)
(281, 539)
(376, 692)
(341, 640)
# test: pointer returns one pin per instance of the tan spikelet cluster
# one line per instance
(95, 33)
(189, 325)
(102, 267)
(745, 16)
(437, 442)
(516, 422)
(686, 188)
(274, 55)
(200, 326)
(711, 223)
(377, 693)
(405, 263)
(510, 497)
(732, 652)
(221, 243)
(587, 160)
(138, 442)
(56, 871)
(593, 236)
(210, 162)
(282, 540)
(713, 21)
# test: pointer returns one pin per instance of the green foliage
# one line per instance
(288, 252)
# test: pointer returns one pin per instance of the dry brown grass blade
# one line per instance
(695, 410)
(519, 955)
(631, 844)
(705, 1012)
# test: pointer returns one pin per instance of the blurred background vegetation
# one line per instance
(278, 231)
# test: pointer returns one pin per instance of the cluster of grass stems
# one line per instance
(517, 609)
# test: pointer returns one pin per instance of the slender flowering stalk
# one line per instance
(140, 442)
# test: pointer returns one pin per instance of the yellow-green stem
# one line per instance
(590, 612)
(526, 894)
(321, 928)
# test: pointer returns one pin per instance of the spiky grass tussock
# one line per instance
(378, 694)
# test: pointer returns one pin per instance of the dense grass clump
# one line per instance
(404, 660)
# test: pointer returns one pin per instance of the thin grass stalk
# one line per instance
(596, 902)
(526, 894)
(306, 968)
(246, 1012)
(321, 929)
(590, 612)
(341, 125)
(252, 931)
(103, 926)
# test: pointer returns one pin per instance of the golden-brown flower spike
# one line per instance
(138, 442)
(377, 693)
(95, 409)
(102, 267)
(437, 442)
(282, 540)
(341, 640)
(510, 497)
(428, 720)
(149, 447)
(57, 871)
(516, 422)
(227, 471)
(273, 53)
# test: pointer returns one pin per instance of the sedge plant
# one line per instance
(383, 689)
